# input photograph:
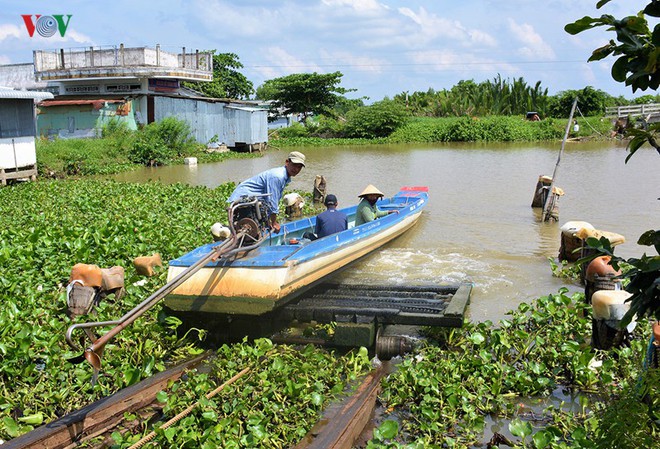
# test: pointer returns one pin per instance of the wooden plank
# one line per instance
(27, 172)
(104, 413)
(459, 301)
(341, 428)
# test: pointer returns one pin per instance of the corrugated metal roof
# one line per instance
(9, 93)
(244, 108)
(78, 102)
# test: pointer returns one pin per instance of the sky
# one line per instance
(383, 48)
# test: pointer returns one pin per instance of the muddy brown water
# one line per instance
(478, 226)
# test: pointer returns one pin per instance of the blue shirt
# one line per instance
(270, 181)
(330, 222)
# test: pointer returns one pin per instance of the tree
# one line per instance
(590, 101)
(638, 51)
(304, 93)
(227, 82)
(378, 120)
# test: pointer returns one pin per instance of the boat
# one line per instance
(286, 264)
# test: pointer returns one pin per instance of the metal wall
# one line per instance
(16, 118)
(246, 126)
(226, 124)
(205, 118)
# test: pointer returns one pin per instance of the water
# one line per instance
(479, 226)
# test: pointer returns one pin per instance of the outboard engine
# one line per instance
(249, 216)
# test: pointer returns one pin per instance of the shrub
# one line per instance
(295, 130)
(328, 127)
(150, 150)
(115, 128)
(378, 120)
(175, 134)
(159, 143)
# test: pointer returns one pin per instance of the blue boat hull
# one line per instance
(273, 274)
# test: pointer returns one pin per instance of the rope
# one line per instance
(587, 122)
(189, 409)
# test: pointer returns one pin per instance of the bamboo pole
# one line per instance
(550, 198)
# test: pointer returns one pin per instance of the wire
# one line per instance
(587, 122)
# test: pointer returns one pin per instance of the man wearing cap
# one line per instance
(332, 220)
(271, 182)
(367, 210)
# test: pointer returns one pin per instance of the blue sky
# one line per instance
(382, 47)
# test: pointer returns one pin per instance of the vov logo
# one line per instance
(46, 26)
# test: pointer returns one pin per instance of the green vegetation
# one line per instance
(303, 93)
(440, 396)
(377, 120)
(496, 97)
(273, 406)
(120, 149)
(636, 49)
(227, 81)
(447, 129)
(48, 227)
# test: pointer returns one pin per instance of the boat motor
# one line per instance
(248, 216)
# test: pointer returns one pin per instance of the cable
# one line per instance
(188, 410)
(587, 122)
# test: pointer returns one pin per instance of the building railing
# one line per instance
(633, 110)
(119, 56)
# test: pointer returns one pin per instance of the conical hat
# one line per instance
(371, 190)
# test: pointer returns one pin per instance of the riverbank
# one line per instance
(119, 150)
(452, 129)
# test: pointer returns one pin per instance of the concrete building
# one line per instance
(138, 86)
(18, 156)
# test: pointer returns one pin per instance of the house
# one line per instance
(139, 86)
(18, 154)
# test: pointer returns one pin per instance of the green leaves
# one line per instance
(481, 369)
(635, 47)
(303, 93)
(520, 428)
(46, 228)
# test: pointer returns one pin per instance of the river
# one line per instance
(479, 226)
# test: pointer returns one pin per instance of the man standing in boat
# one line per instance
(367, 210)
(271, 182)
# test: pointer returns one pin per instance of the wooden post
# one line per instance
(319, 189)
(551, 198)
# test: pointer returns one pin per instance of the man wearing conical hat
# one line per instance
(367, 210)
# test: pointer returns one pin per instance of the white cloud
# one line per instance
(7, 31)
(345, 59)
(534, 47)
(431, 27)
(278, 62)
(357, 5)
(459, 62)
